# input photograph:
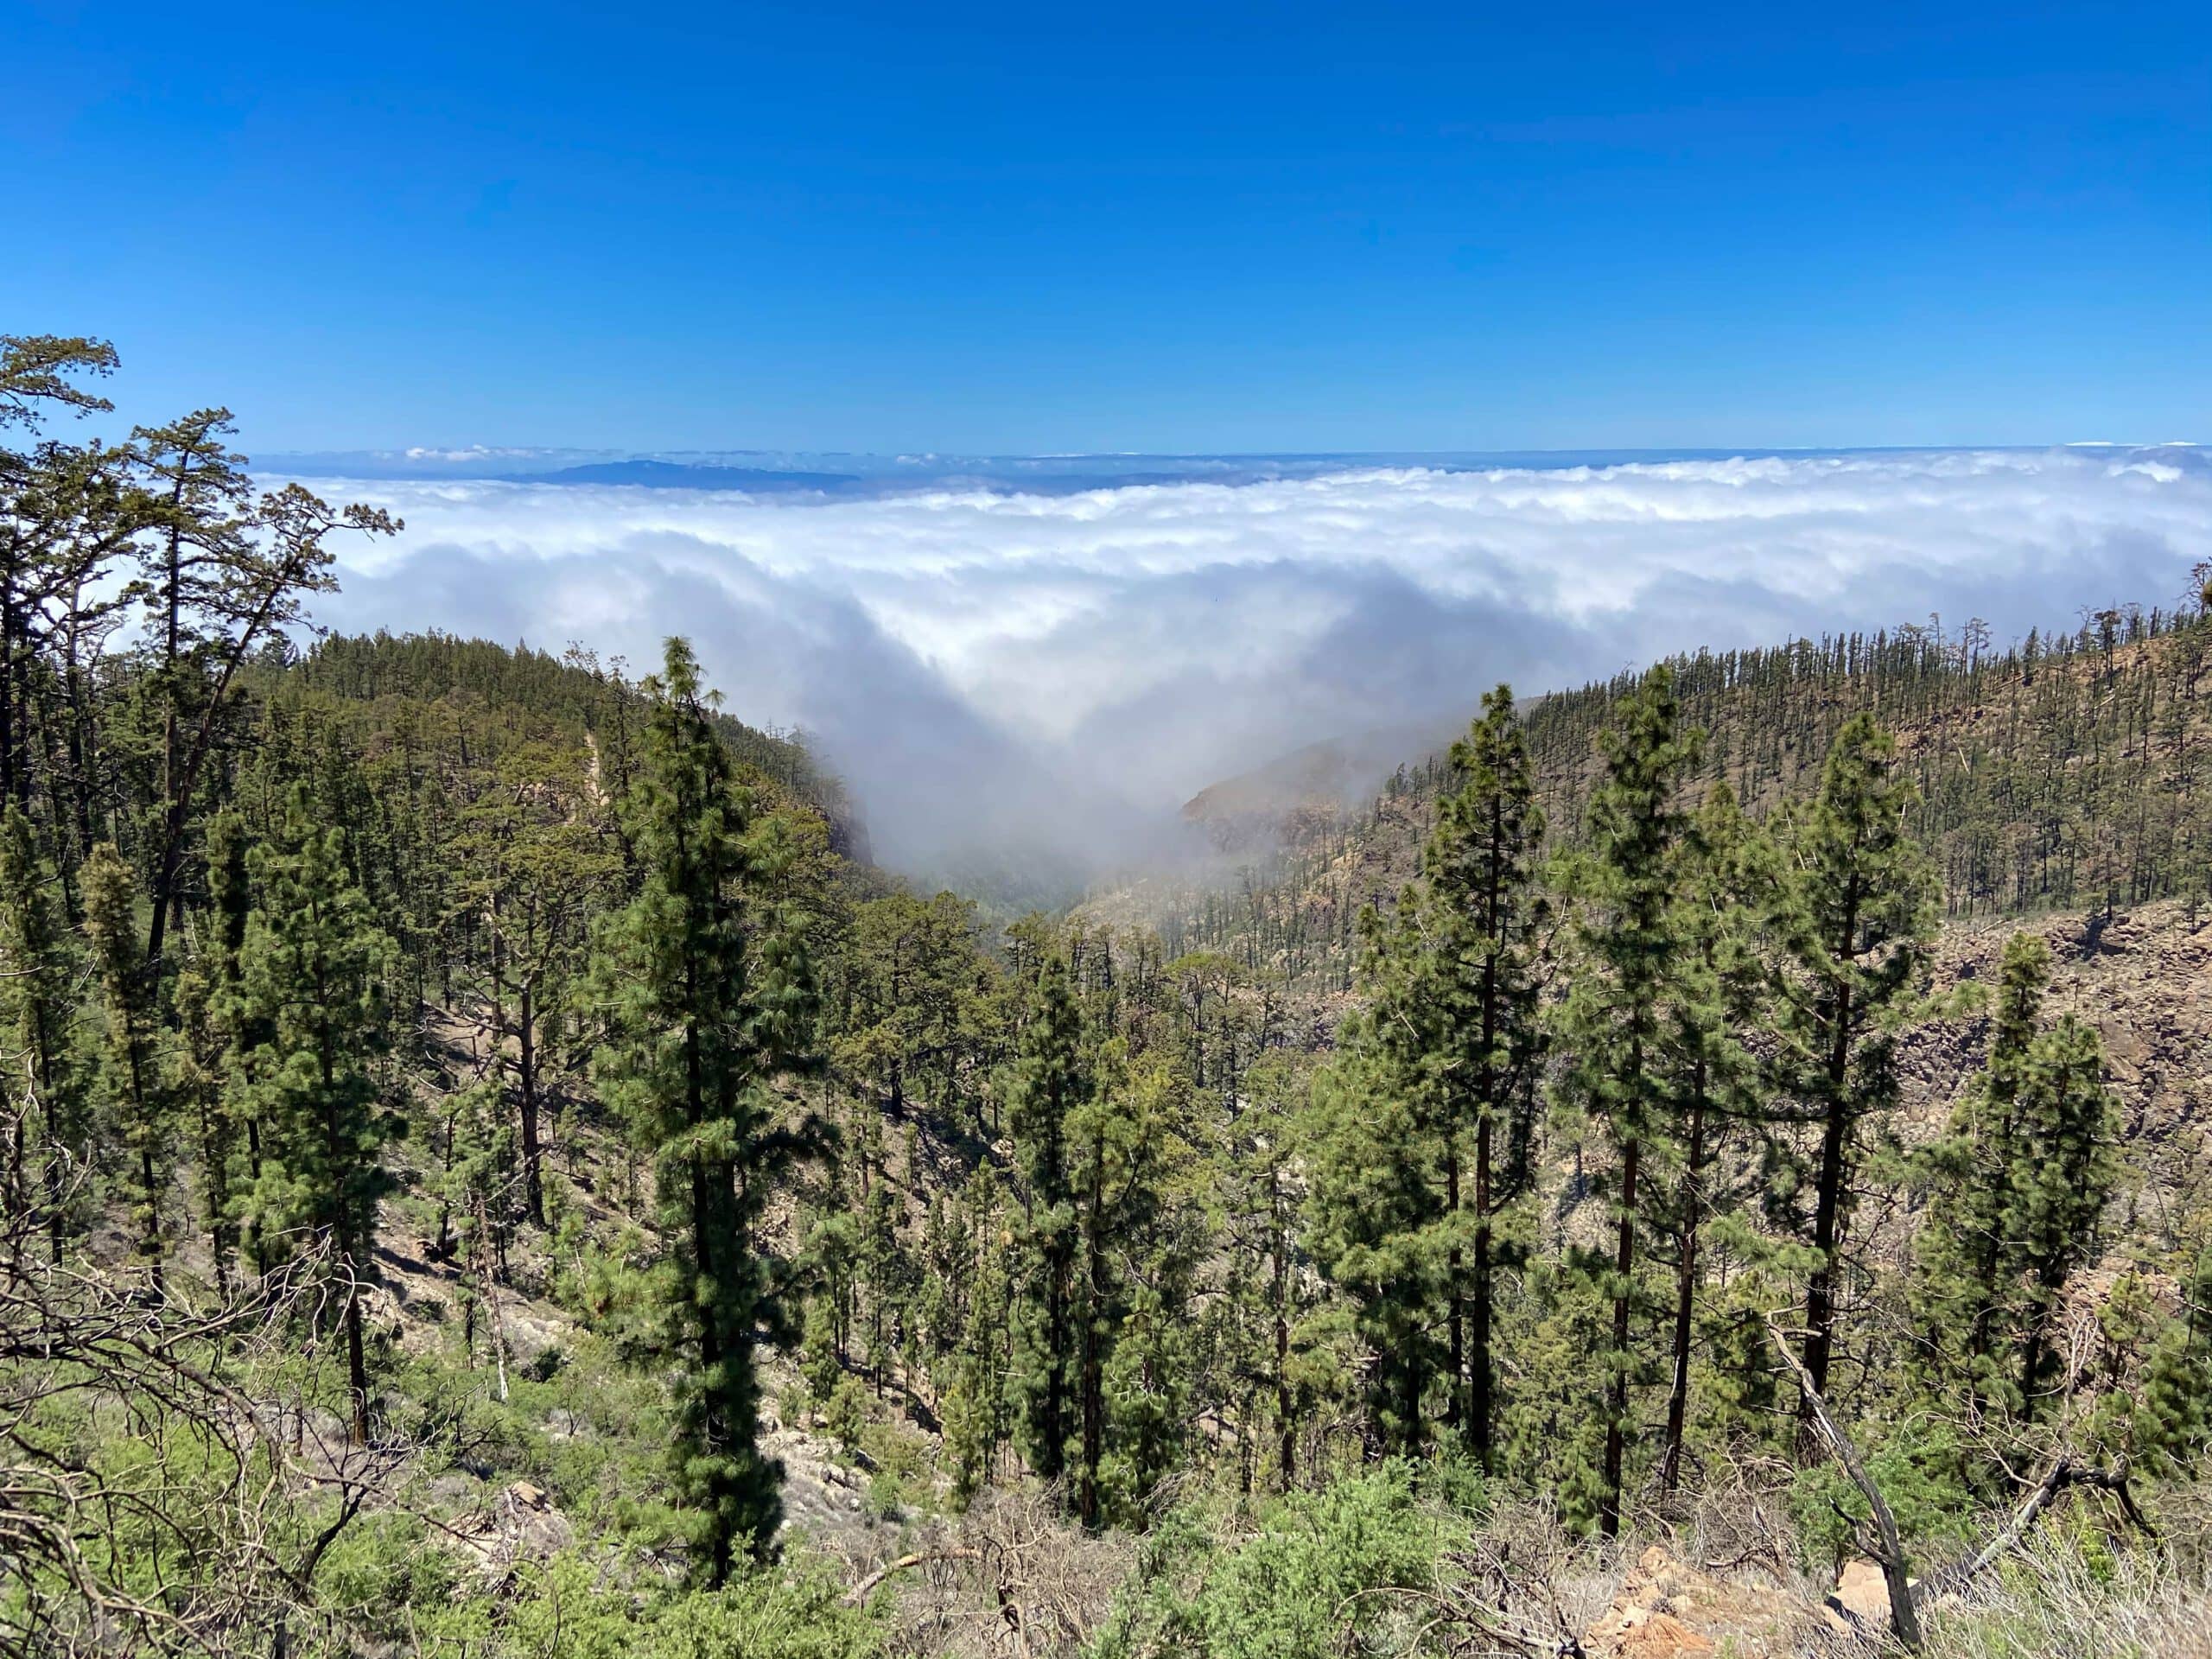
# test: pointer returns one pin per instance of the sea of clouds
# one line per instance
(993, 667)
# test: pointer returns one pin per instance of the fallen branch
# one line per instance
(860, 1593)
(1500, 1612)
(1889, 1547)
(2063, 1473)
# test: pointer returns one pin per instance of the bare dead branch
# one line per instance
(1888, 1546)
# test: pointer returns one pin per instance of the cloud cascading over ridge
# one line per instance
(993, 667)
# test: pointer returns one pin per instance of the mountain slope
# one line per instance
(2066, 772)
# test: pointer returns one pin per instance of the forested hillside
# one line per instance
(2063, 772)
(491, 1170)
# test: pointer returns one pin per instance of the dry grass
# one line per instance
(2059, 1600)
(1010, 1580)
(1013, 1579)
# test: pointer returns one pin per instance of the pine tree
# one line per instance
(976, 1402)
(234, 1032)
(41, 1087)
(1711, 1075)
(1118, 1150)
(888, 1271)
(1556, 1331)
(2068, 1171)
(477, 1193)
(1852, 911)
(706, 1019)
(1374, 1200)
(1619, 1015)
(194, 1084)
(1445, 1063)
(1260, 1183)
(312, 972)
(940, 1285)
(1482, 911)
(1147, 1385)
(269, 560)
(67, 514)
(134, 1092)
(198, 507)
(2172, 1416)
(529, 868)
(831, 1261)
(1052, 1081)
(1963, 1257)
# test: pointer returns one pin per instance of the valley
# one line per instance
(494, 1167)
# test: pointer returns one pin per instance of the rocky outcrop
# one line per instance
(2142, 977)
(520, 1523)
(1667, 1609)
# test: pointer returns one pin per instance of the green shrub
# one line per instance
(1920, 1473)
(1300, 1588)
(794, 1611)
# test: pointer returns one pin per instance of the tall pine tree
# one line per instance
(1618, 1018)
(1052, 1082)
(135, 1094)
(1710, 1074)
(2069, 1166)
(312, 972)
(1959, 1269)
(1258, 1181)
(1483, 909)
(1853, 912)
(1119, 1148)
(48, 1151)
(1374, 1204)
(710, 1004)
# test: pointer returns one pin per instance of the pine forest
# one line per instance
(489, 1168)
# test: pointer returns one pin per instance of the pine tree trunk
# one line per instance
(1455, 1407)
(1278, 1296)
(356, 1365)
(492, 1295)
(1685, 1270)
(1054, 1439)
(1409, 1408)
(1608, 1512)
(1480, 1409)
(219, 1241)
(150, 1244)
(707, 1265)
(533, 1181)
(80, 747)
(18, 1193)
(1094, 1389)
(1819, 1293)
(8, 767)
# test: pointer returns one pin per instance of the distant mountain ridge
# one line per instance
(1322, 780)
(1066, 474)
(676, 475)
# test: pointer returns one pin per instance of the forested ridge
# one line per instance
(2064, 771)
(574, 689)
(490, 1170)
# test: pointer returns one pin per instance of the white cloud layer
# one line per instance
(990, 666)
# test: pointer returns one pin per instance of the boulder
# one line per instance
(1860, 1604)
(520, 1523)
(1667, 1609)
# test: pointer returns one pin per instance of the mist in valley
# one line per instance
(1024, 687)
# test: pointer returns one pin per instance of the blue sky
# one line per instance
(1032, 229)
